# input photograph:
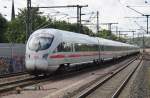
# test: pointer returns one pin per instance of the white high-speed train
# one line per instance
(49, 49)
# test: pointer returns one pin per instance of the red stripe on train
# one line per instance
(74, 55)
(57, 56)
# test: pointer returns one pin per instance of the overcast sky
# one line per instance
(110, 10)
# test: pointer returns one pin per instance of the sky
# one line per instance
(110, 11)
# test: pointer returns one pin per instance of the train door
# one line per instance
(99, 50)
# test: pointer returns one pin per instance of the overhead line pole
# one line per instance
(97, 21)
(109, 25)
(147, 16)
(79, 14)
(61, 6)
(125, 31)
(78, 18)
(28, 20)
(134, 10)
(133, 35)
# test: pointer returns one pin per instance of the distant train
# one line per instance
(49, 49)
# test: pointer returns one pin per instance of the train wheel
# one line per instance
(46, 74)
(96, 62)
(65, 67)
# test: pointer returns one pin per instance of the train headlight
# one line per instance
(27, 56)
(45, 56)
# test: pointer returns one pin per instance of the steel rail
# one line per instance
(120, 89)
(8, 86)
(12, 74)
(100, 83)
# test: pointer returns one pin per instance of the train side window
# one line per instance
(93, 47)
(115, 48)
(81, 47)
(77, 47)
(65, 47)
(96, 48)
(102, 48)
(107, 48)
(86, 47)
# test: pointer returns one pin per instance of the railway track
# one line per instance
(12, 77)
(124, 83)
(12, 74)
(10, 85)
(5, 87)
(111, 85)
(30, 80)
(146, 56)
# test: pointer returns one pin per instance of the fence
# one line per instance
(12, 57)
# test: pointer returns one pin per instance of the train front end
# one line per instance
(38, 49)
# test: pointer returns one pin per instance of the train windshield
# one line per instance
(40, 43)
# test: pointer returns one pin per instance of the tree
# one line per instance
(63, 25)
(109, 35)
(16, 31)
(104, 34)
(3, 28)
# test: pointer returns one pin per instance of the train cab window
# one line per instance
(40, 43)
(65, 47)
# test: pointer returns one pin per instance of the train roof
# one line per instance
(114, 43)
(81, 38)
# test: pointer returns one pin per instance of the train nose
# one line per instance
(38, 65)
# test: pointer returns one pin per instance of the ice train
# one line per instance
(49, 49)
